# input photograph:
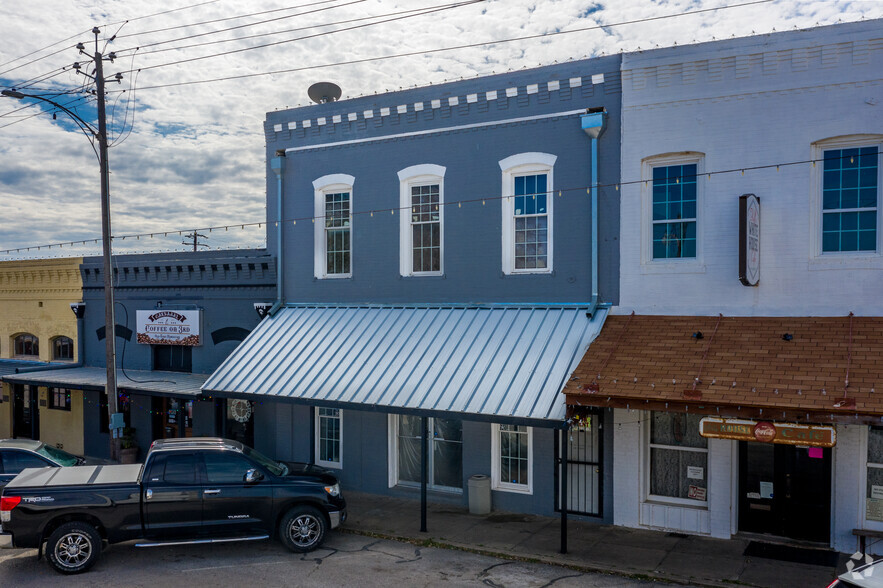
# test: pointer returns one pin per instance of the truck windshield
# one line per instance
(276, 468)
(60, 457)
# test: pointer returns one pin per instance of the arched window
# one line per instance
(333, 208)
(63, 348)
(26, 345)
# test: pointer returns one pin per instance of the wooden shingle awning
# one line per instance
(805, 369)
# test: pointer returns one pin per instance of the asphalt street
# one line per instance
(344, 560)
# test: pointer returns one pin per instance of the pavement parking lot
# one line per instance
(344, 560)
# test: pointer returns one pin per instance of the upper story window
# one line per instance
(674, 211)
(850, 198)
(63, 349)
(26, 345)
(527, 213)
(422, 220)
(333, 232)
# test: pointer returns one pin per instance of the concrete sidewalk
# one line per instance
(672, 557)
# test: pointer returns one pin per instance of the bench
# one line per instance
(863, 534)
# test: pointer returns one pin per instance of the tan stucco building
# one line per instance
(37, 326)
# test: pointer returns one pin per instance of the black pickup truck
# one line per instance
(197, 490)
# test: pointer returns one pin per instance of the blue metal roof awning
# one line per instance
(488, 363)
(154, 383)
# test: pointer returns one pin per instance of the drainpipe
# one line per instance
(277, 164)
(79, 309)
(593, 124)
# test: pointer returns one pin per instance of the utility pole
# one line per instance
(194, 240)
(109, 320)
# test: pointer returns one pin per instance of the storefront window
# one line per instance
(445, 459)
(874, 491)
(678, 457)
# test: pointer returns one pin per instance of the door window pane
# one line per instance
(225, 468)
(180, 469)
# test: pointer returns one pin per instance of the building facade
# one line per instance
(178, 315)
(436, 252)
(38, 329)
(742, 363)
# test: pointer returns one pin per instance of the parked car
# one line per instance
(866, 576)
(196, 490)
(18, 454)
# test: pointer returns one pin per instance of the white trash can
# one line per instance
(480, 494)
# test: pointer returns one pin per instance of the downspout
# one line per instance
(79, 310)
(593, 124)
(277, 164)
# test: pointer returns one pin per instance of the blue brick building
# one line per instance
(444, 261)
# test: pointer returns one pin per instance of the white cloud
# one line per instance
(195, 156)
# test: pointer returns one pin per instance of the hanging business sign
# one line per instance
(749, 239)
(767, 432)
(169, 327)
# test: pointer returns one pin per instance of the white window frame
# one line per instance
(329, 184)
(393, 459)
(648, 446)
(684, 264)
(322, 462)
(863, 485)
(525, 164)
(840, 257)
(496, 482)
(424, 174)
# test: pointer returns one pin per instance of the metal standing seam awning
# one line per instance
(505, 364)
(154, 383)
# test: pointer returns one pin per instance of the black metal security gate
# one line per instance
(585, 470)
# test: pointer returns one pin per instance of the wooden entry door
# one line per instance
(785, 490)
(176, 418)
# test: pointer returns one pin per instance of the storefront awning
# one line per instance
(808, 369)
(505, 364)
(11, 366)
(94, 378)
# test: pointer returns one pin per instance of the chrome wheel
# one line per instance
(304, 530)
(73, 550)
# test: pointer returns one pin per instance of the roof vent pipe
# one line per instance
(593, 124)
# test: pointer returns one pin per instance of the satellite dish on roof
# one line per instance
(322, 92)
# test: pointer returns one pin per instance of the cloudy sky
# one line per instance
(191, 154)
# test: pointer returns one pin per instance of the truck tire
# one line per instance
(302, 529)
(73, 547)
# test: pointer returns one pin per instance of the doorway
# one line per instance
(785, 490)
(25, 412)
(174, 418)
(584, 467)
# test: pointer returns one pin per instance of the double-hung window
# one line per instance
(674, 211)
(60, 398)
(444, 459)
(678, 458)
(26, 345)
(333, 226)
(850, 199)
(329, 437)
(511, 450)
(527, 213)
(422, 220)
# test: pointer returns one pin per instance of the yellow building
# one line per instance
(37, 326)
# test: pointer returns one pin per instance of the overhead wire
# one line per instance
(481, 199)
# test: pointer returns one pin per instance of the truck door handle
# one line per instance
(211, 491)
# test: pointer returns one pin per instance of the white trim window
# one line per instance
(847, 188)
(445, 459)
(874, 478)
(512, 453)
(329, 437)
(678, 459)
(672, 195)
(421, 200)
(527, 213)
(333, 226)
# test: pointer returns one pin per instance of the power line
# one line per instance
(393, 210)
(431, 51)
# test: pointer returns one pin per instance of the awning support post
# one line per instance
(424, 442)
(563, 503)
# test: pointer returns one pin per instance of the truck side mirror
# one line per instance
(252, 476)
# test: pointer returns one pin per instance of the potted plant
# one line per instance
(128, 446)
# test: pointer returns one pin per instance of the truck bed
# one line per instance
(74, 476)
